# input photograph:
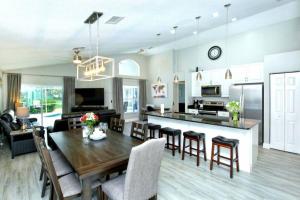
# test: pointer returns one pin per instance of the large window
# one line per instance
(129, 68)
(43, 97)
(130, 99)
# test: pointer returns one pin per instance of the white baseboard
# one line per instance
(266, 146)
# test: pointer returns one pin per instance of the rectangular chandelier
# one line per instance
(95, 68)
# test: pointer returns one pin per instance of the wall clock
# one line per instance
(214, 52)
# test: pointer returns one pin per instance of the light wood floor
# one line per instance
(276, 175)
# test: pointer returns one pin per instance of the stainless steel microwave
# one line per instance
(211, 90)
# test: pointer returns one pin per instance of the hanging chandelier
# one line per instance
(97, 67)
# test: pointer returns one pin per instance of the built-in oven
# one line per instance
(211, 90)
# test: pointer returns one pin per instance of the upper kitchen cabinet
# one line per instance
(249, 73)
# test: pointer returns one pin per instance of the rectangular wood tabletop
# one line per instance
(96, 157)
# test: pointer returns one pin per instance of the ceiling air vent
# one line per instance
(114, 20)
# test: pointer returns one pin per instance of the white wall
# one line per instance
(283, 62)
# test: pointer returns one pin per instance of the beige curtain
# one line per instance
(118, 95)
(69, 94)
(13, 90)
(142, 97)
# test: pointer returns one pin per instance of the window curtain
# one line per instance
(13, 90)
(118, 95)
(142, 97)
(69, 94)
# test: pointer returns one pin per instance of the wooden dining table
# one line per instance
(95, 158)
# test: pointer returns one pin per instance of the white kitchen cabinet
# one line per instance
(285, 112)
(249, 73)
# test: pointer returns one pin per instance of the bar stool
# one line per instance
(153, 128)
(194, 136)
(230, 144)
(173, 133)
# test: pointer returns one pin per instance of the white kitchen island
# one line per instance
(246, 131)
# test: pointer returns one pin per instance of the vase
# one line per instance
(235, 116)
(91, 130)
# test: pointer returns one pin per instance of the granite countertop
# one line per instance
(208, 119)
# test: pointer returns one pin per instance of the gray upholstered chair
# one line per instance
(141, 180)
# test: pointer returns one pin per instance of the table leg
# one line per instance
(12, 147)
(86, 189)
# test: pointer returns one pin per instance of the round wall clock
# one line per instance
(214, 52)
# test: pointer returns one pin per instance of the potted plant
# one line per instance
(89, 120)
(234, 108)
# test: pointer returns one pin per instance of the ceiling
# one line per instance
(39, 33)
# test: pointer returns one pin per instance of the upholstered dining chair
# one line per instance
(117, 124)
(61, 166)
(74, 123)
(65, 187)
(139, 130)
(141, 180)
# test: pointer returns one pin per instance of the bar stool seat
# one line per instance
(173, 133)
(153, 127)
(194, 135)
(225, 141)
(197, 137)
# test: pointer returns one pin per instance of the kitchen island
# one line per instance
(245, 130)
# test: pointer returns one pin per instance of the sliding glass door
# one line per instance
(43, 100)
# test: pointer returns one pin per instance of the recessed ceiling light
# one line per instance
(234, 19)
(195, 32)
(215, 14)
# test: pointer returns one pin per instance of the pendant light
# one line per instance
(199, 75)
(158, 81)
(228, 74)
(176, 77)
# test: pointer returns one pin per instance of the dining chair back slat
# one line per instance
(74, 123)
(117, 124)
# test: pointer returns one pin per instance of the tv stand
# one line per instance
(88, 108)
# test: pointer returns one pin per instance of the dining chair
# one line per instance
(60, 164)
(139, 130)
(65, 187)
(117, 124)
(74, 123)
(141, 180)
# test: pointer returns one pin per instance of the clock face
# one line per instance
(214, 52)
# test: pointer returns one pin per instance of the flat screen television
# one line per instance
(89, 96)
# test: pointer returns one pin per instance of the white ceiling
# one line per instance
(38, 33)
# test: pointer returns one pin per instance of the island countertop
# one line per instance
(208, 119)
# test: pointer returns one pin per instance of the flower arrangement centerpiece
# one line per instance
(234, 108)
(90, 120)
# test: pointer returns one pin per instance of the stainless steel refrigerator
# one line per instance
(250, 96)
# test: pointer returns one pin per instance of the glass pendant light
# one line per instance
(197, 31)
(199, 75)
(228, 74)
(158, 81)
(176, 77)
(77, 58)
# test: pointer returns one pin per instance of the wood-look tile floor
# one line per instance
(276, 175)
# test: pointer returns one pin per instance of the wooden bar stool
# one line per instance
(173, 133)
(230, 144)
(152, 128)
(194, 136)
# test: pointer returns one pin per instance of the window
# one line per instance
(130, 99)
(43, 97)
(129, 68)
